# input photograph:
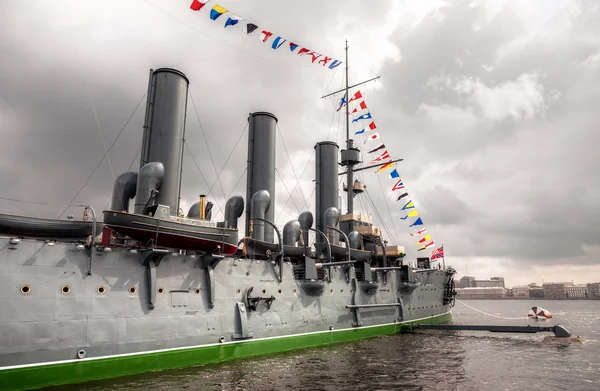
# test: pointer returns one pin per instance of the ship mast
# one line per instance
(350, 155)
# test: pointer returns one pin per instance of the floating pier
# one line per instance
(558, 330)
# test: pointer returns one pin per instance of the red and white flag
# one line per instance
(381, 157)
(419, 232)
(361, 106)
(264, 35)
(374, 136)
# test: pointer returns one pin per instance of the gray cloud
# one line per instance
(493, 107)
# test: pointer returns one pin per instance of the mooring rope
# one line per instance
(492, 315)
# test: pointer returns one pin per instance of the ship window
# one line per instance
(66, 289)
(264, 291)
(279, 291)
(197, 291)
(101, 289)
(237, 291)
(25, 289)
(132, 290)
(161, 290)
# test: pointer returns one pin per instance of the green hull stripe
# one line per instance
(30, 377)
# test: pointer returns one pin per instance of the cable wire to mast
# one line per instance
(105, 155)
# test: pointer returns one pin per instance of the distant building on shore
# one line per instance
(593, 290)
(576, 291)
(556, 290)
(521, 291)
(536, 293)
(471, 282)
(481, 293)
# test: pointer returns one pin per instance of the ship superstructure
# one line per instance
(153, 288)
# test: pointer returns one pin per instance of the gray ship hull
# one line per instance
(137, 311)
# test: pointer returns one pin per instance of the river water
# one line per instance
(429, 360)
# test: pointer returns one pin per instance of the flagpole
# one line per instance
(443, 258)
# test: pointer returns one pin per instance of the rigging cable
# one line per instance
(228, 157)
(238, 181)
(103, 157)
(286, 189)
(202, 175)
(492, 315)
(291, 164)
(387, 207)
(25, 202)
(207, 147)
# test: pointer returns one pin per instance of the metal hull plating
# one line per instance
(42, 331)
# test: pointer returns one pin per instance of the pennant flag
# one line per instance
(402, 196)
(264, 36)
(385, 167)
(250, 27)
(361, 106)
(393, 175)
(371, 126)
(419, 232)
(232, 20)
(414, 213)
(217, 11)
(425, 238)
(303, 51)
(409, 205)
(342, 102)
(360, 131)
(314, 56)
(277, 42)
(324, 60)
(377, 148)
(334, 64)
(356, 96)
(417, 222)
(428, 245)
(382, 157)
(198, 4)
(437, 253)
(374, 136)
(364, 116)
(293, 46)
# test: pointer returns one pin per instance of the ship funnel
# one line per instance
(327, 192)
(306, 221)
(261, 165)
(149, 182)
(332, 217)
(291, 233)
(123, 190)
(261, 201)
(233, 210)
(354, 238)
(164, 130)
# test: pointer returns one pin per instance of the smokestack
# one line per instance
(164, 130)
(261, 165)
(327, 192)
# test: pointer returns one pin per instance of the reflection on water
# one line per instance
(423, 361)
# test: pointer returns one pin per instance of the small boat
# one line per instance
(177, 232)
(46, 228)
(539, 313)
(341, 253)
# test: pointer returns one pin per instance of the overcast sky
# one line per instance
(492, 104)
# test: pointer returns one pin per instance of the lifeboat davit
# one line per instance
(539, 313)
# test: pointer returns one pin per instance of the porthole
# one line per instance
(237, 291)
(332, 291)
(279, 291)
(132, 290)
(101, 290)
(294, 291)
(341, 291)
(197, 290)
(161, 290)
(65, 289)
(25, 289)
(264, 291)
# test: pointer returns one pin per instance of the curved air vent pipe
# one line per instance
(306, 221)
(194, 211)
(354, 238)
(123, 190)
(149, 180)
(261, 201)
(291, 233)
(332, 217)
(233, 210)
